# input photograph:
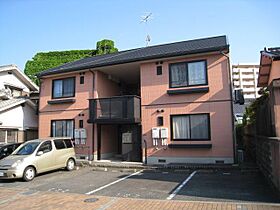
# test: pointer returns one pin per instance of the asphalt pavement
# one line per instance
(186, 185)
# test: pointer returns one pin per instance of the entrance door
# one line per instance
(123, 150)
(131, 150)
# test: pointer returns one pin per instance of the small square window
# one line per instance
(82, 79)
(160, 121)
(81, 123)
(159, 70)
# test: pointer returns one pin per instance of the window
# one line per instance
(59, 144)
(12, 136)
(160, 121)
(3, 136)
(81, 123)
(45, 147)
(82, 79)
(191, 127)
(8, 135)
(63, 88)
(188, 74)
(68, 143)
(62, 128)
(63, 144)
(8, 149)
(28, 148)
(159, 70)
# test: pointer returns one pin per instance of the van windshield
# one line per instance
(27, 149)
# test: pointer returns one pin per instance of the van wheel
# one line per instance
(70, 165)
(29, 174)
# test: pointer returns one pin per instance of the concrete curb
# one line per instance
(125, 167)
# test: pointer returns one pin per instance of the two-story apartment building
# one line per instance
(161, 104)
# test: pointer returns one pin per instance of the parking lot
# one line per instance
(206, 185)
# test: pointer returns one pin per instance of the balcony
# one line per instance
(247, 76)
(115, 110)
(249, 89)
(236, 76)
(251, 83)
(236, 83)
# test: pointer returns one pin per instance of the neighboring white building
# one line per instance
(18, 114)
(245, 77)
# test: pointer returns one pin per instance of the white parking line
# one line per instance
(108, 185)
(174, 193)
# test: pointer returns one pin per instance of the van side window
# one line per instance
(59, 144)
(10, 149)
(46, 147)
(68, 143)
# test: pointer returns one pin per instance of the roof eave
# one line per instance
(25, 79)
(225, 49)
(12, 105)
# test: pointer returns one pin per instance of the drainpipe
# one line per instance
(232, 115)
(145, 145)
(38, 108)
(93, 81)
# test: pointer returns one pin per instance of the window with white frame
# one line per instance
(190, 127)
(188, 74)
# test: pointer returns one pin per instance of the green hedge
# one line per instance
(46, 60)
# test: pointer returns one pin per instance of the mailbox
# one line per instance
(127, 138)
(155, 133)
(164, 133)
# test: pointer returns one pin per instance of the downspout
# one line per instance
(232, 114)
(93, 82)
(146, 155)
(38, 108)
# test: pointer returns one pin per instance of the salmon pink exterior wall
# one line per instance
(154, 97)
(67, 111)
(96, 85)
(217, 102)
(105, 88)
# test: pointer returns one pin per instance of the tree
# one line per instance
(250, 114)
(46, 60)
(105, 46)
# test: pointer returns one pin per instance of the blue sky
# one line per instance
(31, 26)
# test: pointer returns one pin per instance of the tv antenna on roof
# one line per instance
(144, 19)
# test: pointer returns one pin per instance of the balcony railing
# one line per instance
(115, 110)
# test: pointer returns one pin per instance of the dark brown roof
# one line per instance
(210, 44)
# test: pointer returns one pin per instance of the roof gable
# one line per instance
(21, 76)
(268, 56)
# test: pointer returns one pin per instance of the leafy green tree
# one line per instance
(46, 60)
(105, 46)
(250, 114)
